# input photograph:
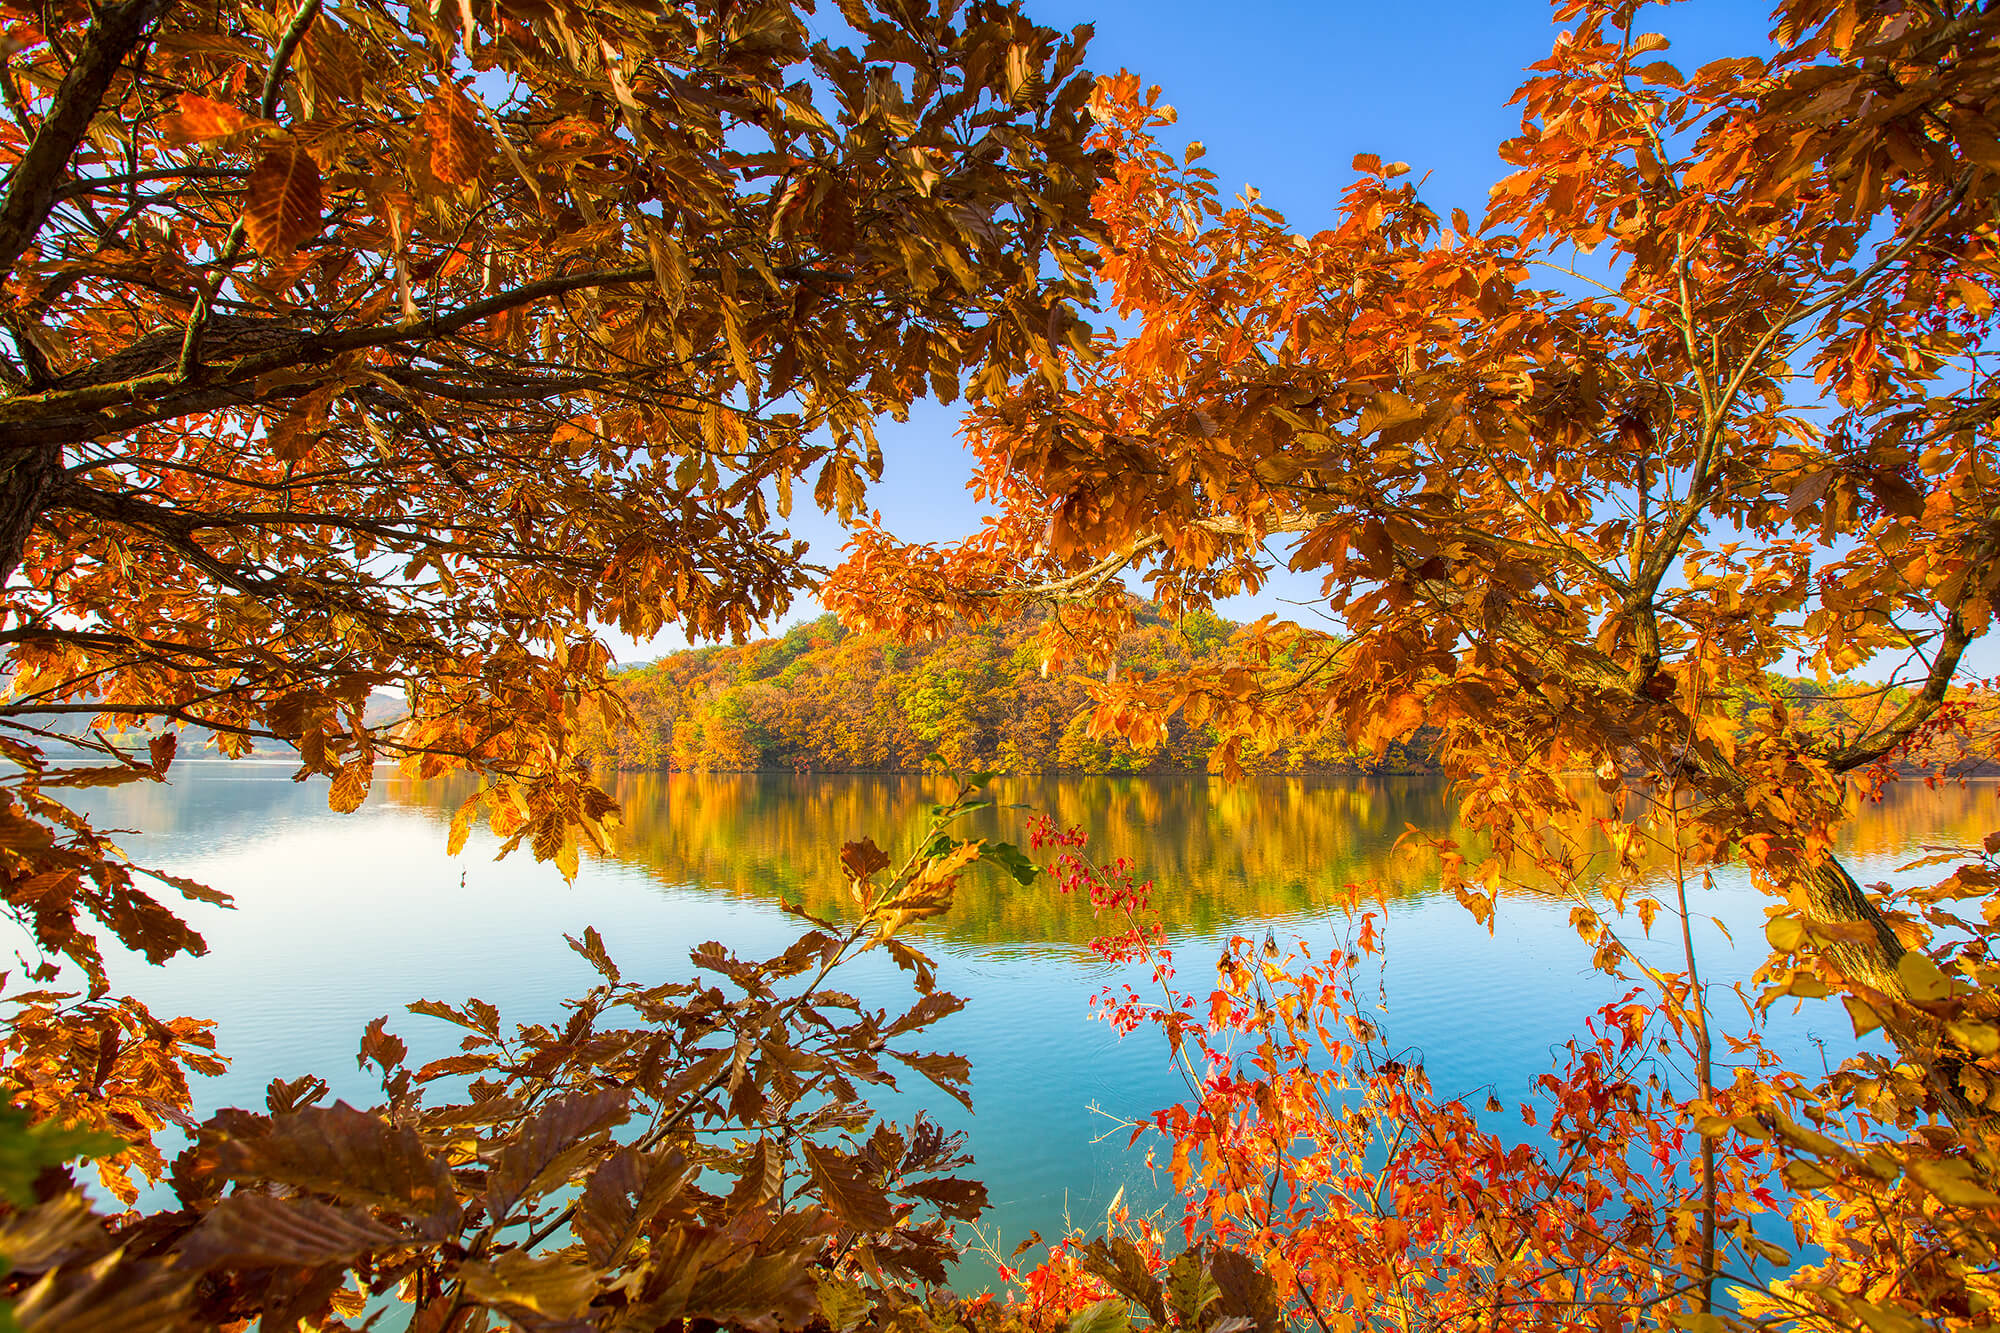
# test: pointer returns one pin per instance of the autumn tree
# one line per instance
(1702, 398)
(1707, 396)
(351, 347)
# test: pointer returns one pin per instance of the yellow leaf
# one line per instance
(1981, 1039)
(1786, 933)
(1921, 978)
(551, 1286)
(1806, 986)
(1955, 1183)
(350, 786)
(461, 826)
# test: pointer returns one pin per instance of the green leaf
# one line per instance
(26, 1150)
(843, 1303)
(1190, 1289)
(1108, 1316)
(1010, 859)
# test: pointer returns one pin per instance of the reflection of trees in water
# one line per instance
(212, 798)
(1216, 851)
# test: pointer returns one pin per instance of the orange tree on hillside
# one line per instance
(1708, 394)
(351, 345)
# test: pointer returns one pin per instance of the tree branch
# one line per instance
(33, 185)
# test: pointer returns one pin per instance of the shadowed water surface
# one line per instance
(341, 919)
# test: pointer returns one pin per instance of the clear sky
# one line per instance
(1283, 94)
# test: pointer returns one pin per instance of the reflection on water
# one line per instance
(1218, 852)
(344, 918)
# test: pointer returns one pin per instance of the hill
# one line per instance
(826, 699)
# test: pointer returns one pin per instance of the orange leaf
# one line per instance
(459, 152)
(201, 120)
(281, 203)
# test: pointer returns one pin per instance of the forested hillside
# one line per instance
(824, 699)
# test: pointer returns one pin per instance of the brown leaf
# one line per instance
(161, 751)
(254, 1228)
(340, 1151)
(1247, 1290)
(591, 946)
(955, 1197)
(913, 961)
(283, 1095)
(553, 1286)
(769, 1293)
(282, 204)
(60, 1231)
(949, 1072)
(854, 1199)
(117, 1294)
(763, 1173)
(1118, 1262)
(926, 1011)
(622, 1198)
(863, 858)
(540, 1156)
(380, 1046)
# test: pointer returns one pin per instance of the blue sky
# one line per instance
(1283, 94)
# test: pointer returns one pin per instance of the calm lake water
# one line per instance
(341, 919)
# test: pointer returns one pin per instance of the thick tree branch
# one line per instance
(32, 187)
(142, 384)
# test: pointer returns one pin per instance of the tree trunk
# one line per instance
(1834, 898)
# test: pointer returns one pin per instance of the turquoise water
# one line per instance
(341, 919)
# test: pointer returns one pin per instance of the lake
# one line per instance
(343, 918)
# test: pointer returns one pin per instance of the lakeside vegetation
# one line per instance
(1218, 851)
(822, 698)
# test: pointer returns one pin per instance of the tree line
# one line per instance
(829, 700)
(826, 699)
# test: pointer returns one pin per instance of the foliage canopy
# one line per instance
(1567, 516)
(356, 346)
(406, 346)
(349, 346)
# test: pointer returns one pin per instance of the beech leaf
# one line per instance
(854, 1199)
(281, 203)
